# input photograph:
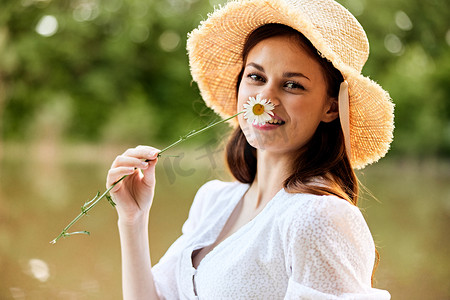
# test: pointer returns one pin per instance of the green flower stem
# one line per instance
(90, 204)
(195, 132)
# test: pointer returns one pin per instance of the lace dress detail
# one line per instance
(300, 246)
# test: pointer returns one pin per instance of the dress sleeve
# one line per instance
(330, 253)
(164, 272)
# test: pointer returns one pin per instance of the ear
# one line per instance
(331, 110)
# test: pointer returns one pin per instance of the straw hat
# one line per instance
(215, 55)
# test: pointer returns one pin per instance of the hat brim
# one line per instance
(215, 55)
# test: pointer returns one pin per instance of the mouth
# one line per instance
(275, 122)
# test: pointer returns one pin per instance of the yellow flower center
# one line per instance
(258, 109)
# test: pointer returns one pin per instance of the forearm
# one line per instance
(137, 278)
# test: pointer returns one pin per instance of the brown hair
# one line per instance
(322, 166)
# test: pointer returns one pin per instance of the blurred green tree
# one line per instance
(119, 72)
(100, 55)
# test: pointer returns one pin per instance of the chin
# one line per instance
(264, 140)
(274, 147)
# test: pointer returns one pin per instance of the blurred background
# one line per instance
(83, 80)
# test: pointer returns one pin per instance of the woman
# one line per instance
(288, 227)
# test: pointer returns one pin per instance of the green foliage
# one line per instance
(120, 67)
(132, 120)
(117, 70)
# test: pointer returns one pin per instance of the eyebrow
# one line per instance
(285, 74)
(294, 74)
(256, 66)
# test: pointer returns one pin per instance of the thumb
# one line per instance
(149, 172)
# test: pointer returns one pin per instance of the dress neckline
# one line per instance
(238, 198)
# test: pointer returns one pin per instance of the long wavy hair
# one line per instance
(322, 166)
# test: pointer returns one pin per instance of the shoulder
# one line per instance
(217, 187)
(216, 194)
(313, 209)
(327, 233)
(316, 218)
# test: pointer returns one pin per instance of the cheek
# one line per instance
(240, 104)
(306, 109)
(305, 119)
(242, 97)
(248, 131)
(245, 91)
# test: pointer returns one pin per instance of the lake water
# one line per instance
(43, 187)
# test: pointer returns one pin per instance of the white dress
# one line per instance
(300, 246)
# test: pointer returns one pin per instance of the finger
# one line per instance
(142, 152)
(127, 161)
(116, 174)
(149, 172)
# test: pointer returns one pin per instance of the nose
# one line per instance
(270, 93)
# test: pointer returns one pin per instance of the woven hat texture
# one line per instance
(215, 56)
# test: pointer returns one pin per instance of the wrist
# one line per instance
(135, 222)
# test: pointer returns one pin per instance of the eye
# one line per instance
(292, 85)
(255, 77)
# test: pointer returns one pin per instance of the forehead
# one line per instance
(285, 52)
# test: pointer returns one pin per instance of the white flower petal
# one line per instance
(261, 119)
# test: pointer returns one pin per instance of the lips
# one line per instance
(273, 123)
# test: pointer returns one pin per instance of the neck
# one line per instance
(272, 171)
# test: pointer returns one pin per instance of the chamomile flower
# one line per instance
(258, 111)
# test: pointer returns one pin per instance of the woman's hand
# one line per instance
(134, 194)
